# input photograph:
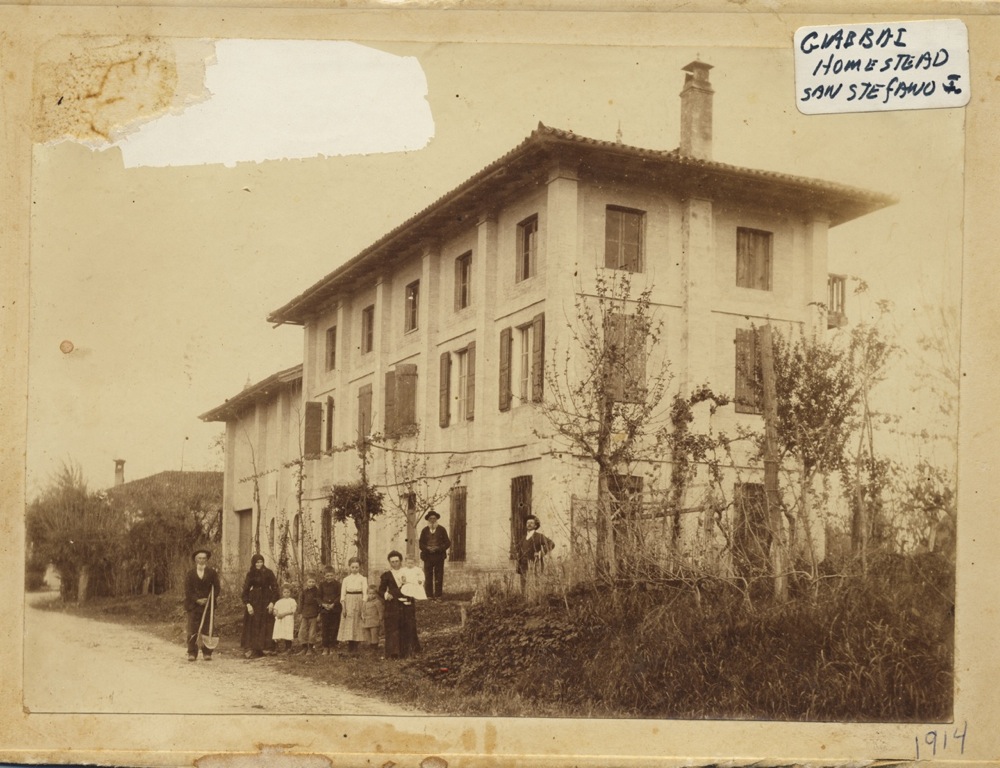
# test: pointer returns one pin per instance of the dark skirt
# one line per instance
(400, 630)
(257, 630)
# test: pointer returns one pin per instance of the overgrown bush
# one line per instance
(876, 647)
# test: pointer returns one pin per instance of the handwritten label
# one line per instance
(932, 743)
(881, 67)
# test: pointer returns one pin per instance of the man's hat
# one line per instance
(431, 514)
(201, 550)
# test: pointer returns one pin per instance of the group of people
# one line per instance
(332, 611)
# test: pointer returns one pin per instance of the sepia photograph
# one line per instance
(555, 384)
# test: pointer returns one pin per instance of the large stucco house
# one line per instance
(436, 336)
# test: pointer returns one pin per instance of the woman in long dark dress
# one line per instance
(260, 590)
(400, 612)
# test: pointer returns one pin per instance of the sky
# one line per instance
(160, 263)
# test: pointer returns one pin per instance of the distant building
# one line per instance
(442, 329)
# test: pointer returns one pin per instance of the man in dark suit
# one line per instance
(531, 550)
(434, 544)
(201, 586)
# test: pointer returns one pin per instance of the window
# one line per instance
(331, 348)
(364, 412)
(412, 305)
(753, 259)
(749, 389)
(330, 412)
(456, 520)
(836, 314)
(527, 248)
(520, 508)
(401, 400)
(625, 357)
(623, 238)
(368, 329)
(311, 438)
(463, 281)
(522, 362)
(464, 388)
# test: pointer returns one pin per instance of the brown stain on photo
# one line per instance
(87, 88)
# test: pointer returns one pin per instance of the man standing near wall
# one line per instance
(201, 585)
(434, 544)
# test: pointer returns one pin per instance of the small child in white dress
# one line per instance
(284, 619)
(412, 580)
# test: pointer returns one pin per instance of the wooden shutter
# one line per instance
(632, 241)
(470, 381)
(364, 412)
(330, 412)
(635, 331)
(506, 344)
(520, 508)
(612, 238)
(444, 389)
(313, 429)
(391, 425)
(538, 358)
(406, 396)
(456, 522)
(614, 356)
(747, 372)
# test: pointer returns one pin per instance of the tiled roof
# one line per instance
(252, 393)
(688, 175)
(170, 482)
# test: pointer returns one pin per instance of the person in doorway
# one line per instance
(201, 587)
(329, 609)
(260, 591)
(532, 550)
(401, 639)
(434, 545)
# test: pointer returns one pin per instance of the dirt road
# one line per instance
(74, 664)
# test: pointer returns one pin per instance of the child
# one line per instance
(371, 617)
(412, 580)
(329, 609)
(309, 616)
(284, 619)
(352, 598)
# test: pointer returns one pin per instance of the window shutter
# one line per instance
(747, 372)
(538, 358)
(313, 429)
(456, 521)
(612, 237)
(406, 396)
(364, 412)
(444, 386)
(635, 330)
(614, 356)
(458, 283)
(391, 424)
(506, 342)
(520, 508)
(631, 241)
(743, 278)
(470, 381)
(330, 412)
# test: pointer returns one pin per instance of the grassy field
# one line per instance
(877, 648)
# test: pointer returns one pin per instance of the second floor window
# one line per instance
(412, 305)
(368, 329)
(331, 348)
(625, 357)
(753, 259)
(623, 238)
(527, 248)
(522, 363)
(463, 281)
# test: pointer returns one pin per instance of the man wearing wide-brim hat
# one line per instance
(201, 587)
(434, 544)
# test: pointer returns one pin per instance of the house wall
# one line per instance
(689, 263)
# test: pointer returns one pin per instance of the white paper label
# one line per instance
(881, 67)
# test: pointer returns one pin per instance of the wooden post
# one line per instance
(771, 464)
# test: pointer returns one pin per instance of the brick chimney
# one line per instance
(119, 471)
(696, 112)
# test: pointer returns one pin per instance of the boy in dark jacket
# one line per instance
(309, 605)
(329, 609)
